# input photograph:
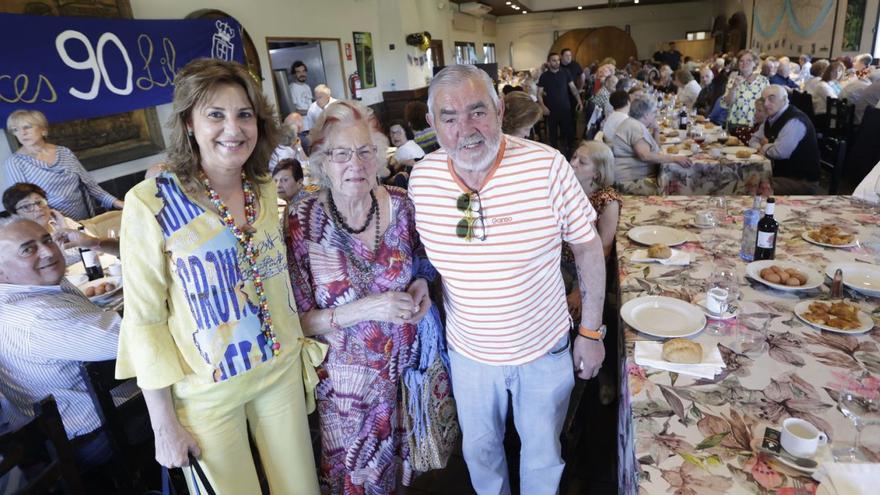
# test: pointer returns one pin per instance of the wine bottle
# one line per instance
(751, 217)
(90, 261)
(683, 120)
(765, 244)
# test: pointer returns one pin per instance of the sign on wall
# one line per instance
(363, 52)
(74, 67)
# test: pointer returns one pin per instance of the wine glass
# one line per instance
(722, 292)
(861, 406)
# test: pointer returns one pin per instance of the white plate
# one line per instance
(117, 281)
(662, 316)
(670, 140)
(839, 246)
(864, 318)
(681, 152)
(701, 303)
(700, 226)
(658, 234)
(861, 277)
(731, 150)
(814, 278)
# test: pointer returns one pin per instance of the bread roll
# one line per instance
(743, 154)
(659, 251)
(682, 351)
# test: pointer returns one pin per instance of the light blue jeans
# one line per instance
(540, 391)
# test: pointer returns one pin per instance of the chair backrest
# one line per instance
(840, 115)
(865, 151)
(803, 102)
(42, 444)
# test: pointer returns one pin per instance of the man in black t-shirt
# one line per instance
(556, 91)
(673, 57)
(567, 63)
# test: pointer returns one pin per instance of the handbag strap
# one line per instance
(195, 466)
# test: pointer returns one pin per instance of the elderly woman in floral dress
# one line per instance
(359, 279)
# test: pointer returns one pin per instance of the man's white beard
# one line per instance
(483, 162)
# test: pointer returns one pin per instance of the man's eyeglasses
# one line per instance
(32, 205)
(473, 224)
(343, 155)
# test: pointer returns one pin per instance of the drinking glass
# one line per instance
(862, 407)
(751, 335)
(722, 292)
(111, 234)
(718, 205)
(869, 241)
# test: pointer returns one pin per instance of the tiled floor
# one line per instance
(591, 464)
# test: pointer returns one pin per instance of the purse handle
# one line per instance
(195, 466)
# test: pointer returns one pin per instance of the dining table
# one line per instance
(684, 434)
(718, 173)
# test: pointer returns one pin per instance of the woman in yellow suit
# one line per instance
(210, 327)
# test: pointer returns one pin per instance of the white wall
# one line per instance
(524, 40)
(388, 20)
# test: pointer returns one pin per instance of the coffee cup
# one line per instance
(115, 270)
(715, 152)
(703, 218)
(800, 438)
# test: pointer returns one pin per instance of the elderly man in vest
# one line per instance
(788, 138)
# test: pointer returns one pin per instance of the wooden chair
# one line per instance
(835, 138)
(133, 452)
(803, 102)
(41, 448)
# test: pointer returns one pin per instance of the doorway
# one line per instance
(435, 53)
(323, 58)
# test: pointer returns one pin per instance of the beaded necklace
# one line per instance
(374, 210)
(245, 237)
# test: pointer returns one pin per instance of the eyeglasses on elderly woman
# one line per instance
(343, 155)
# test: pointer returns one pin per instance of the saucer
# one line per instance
(702, 226)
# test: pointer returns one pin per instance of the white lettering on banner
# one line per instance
(94, 63)
(89, 63)
(115, 40)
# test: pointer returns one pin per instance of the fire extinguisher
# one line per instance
(354, 85)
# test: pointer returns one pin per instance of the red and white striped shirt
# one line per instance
(504, 296)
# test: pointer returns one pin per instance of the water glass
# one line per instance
(722, 292)
(751, 336)
(862, 407)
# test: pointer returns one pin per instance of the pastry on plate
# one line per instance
(659, 251)
(682, 351)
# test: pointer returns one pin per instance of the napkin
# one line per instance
(844, 478)
(650, 354)
(678, 257)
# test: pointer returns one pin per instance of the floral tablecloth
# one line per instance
(684, 435)
(708, 176)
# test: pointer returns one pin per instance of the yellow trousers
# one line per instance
(268, 398)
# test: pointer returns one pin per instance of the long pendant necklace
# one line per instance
(245, 237)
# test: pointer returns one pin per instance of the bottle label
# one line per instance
(766, 240)
(90, 258)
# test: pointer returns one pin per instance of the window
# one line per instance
(698, 35)
(488, 53)
(465, 52)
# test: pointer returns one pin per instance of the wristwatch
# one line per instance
(597, 334)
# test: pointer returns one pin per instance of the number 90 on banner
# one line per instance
(94, 61)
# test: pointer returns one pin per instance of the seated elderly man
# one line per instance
(323, 97)
(47, 330)
(783, 76)
(788, 138)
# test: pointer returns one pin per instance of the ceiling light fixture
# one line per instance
(580, 7)
(525, 11)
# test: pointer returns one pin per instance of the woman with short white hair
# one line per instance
(636, 151)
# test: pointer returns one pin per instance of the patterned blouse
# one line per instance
(742, 110)
(61, 180)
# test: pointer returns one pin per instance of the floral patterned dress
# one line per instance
(362, 439)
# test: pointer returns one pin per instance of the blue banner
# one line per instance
(76, 67)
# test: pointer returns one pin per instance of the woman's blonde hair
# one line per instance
(600, 155)
(196, 82)
(339, 115)
(32, 117)
(520, 112)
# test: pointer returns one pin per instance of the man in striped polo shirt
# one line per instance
(47, 329)
(492, 211)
